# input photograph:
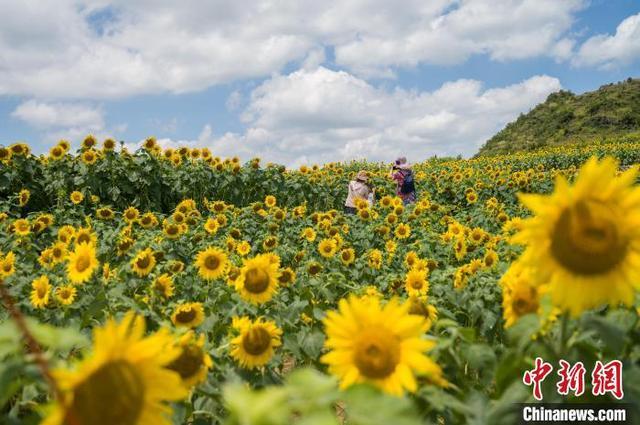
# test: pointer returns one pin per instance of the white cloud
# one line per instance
(503, 29)
(100, 49)
(611, 50)
(47, 115)
(324, 115)
(65, 120)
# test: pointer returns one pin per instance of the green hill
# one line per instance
(612, 110)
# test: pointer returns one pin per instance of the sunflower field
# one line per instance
(172, 286)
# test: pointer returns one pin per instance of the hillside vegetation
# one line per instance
(612, 110)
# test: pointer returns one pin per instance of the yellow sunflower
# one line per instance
(56, 152)
(123, 244)
(270, 201)
(66, 234)
(416, 282)
(131, 214)
(108, 145)
(460, 248)
(105, 213)
(258, 280)
(327, 248)
(520, 294)
(23, 197)
(40, 292)
(403, 231)
(410, 258)
(82, 262)
(211, 226)
(243, 248)
(22, 227)
(45, 219)
(347, 256)
(188, 315)
(143, 262)
(584, 240)
(76, 197)
(85, 235)
(271, 242)
(287, 276)
(193, 363)
(374, 259)
(124, 380)
(7, 265)
(148, 220)
(66, 294)
(45, 259)
(172, 230)
(381, 345)
(89, 142)
(490, 259)
(89, 157)
(309, 234)
(255, 343)
(175, 266)
(212, 263)
(5, 155)
(163, 285)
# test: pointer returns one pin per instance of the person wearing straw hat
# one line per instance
(358, 189)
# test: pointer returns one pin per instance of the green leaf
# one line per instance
(265, 407)
(440, 400)
(481, 357)
(366, 405)
(611, 333)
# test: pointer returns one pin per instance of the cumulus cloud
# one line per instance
(325, 115)
(65, 120)
(503, 29)
(46, 115)
(608, 51)
(105, 49)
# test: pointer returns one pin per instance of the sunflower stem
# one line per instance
(32, 343)
(563, 334)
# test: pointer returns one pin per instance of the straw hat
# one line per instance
(362, 176)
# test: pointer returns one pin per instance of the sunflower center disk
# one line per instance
(256, 341)
(377, 353)
(186, 316)
(418, 308)
(416, 284)
(114, 394)
(189, 362)
(212, 262)
(83, 263)
(285, 277)
(256, 281)
(525, 302)
(588, 239)
(143, 262)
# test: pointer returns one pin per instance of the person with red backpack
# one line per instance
(405, 185)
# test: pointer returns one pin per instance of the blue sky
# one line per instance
(299, 82)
